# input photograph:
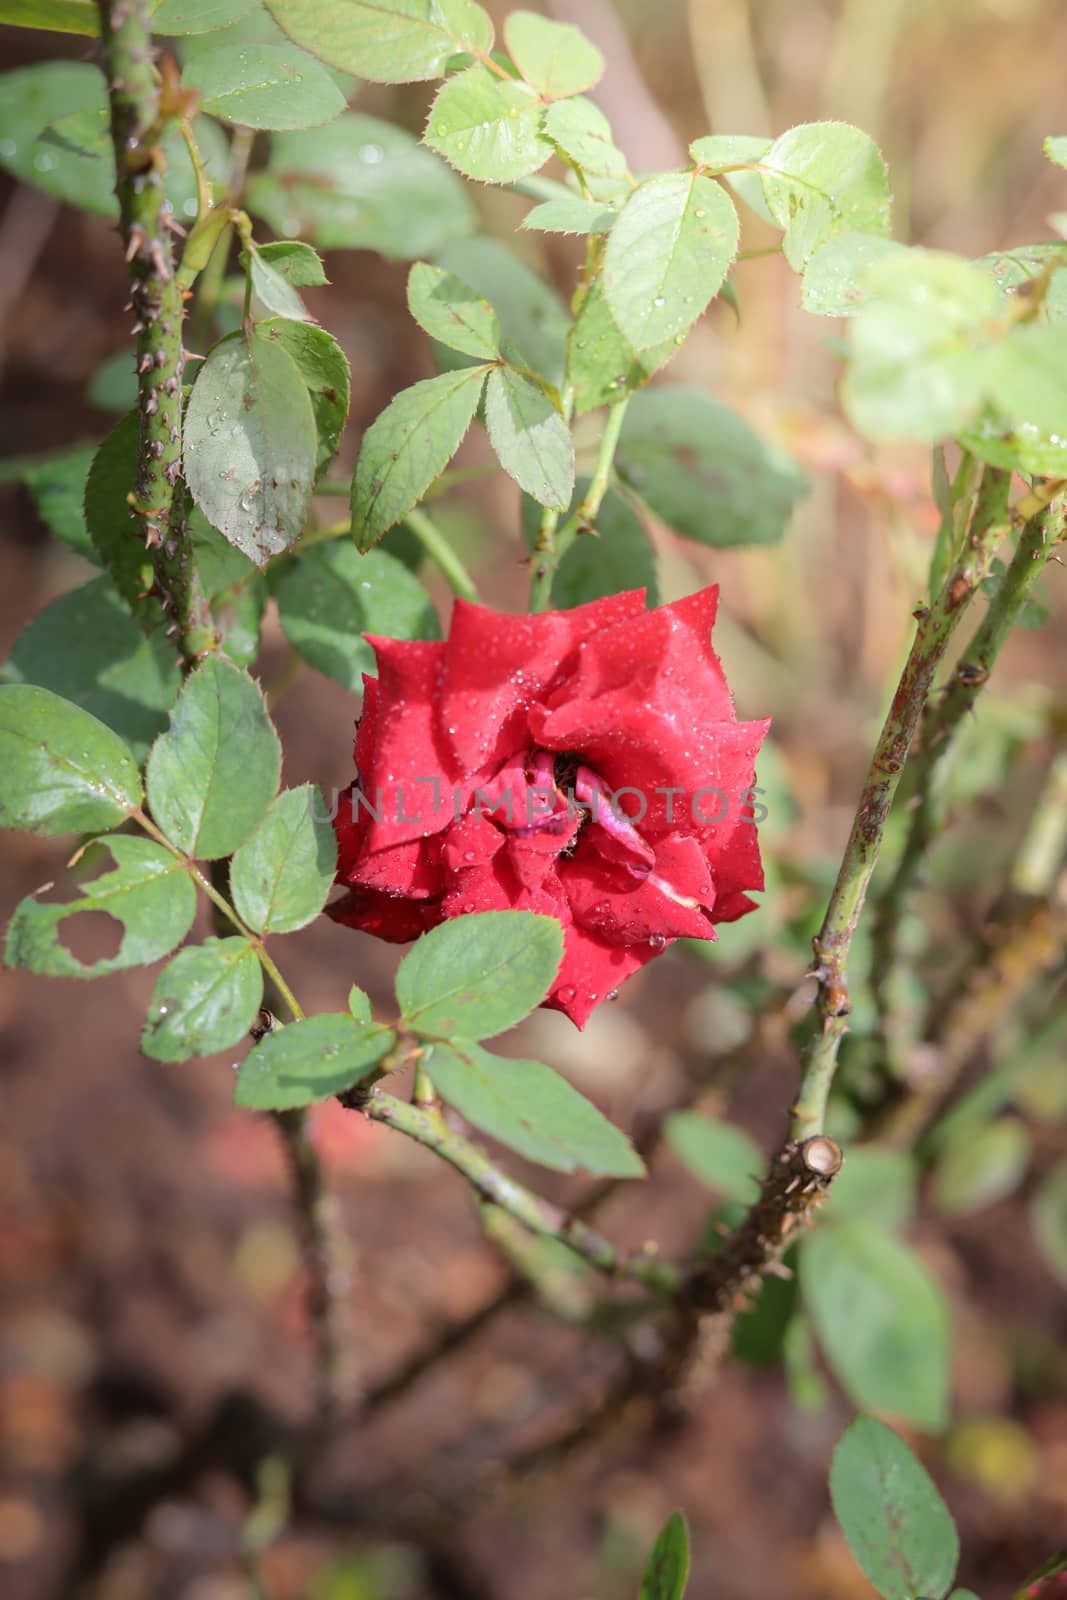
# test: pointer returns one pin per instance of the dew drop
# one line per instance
(659, 301)
(656, 941)
(566, 994)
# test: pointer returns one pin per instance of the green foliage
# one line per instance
(877, 1185)
(582, 135)
(982, 1166)
(720, 1155)
(360, 183)
(667, 1573)
(148, 892)
(213, 774)
(555, 58)
(409, 446)
(488, 128)
(822, 179)
(59, 16)
(533, 321)
(525, 1104)
(204, 1000)
(703, 470)
(616, 556)
(881, 1320)
(310, 1060)
(197, 16)
(1049, 1217)
(323, 366)
(264, 86)
(478, 975)
(387, 41)
(57, 489)
(251, 444)
(281, 875)
(64, 771)
(570, 215)
(897, 1525)
(331, 596)
(530, 437)
(450, 311)
(109, 520)
(86, 648)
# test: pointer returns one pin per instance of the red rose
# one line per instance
(586, 764)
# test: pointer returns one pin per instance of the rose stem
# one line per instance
(553, 542)
(936, 626)
(941, 722)
(138, 120)
(427, 1126)
(439, 550)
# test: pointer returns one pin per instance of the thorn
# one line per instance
(145, 363)
(136, 241)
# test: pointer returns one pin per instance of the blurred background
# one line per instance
(147, 1262)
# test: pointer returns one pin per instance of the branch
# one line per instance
(941, 723)
(139, 114)
(553, 542)
(832, 944)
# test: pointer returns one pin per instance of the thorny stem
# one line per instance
(936, 626)
(941, 722)
(427, 1126)
(440, 551)
(138, 118)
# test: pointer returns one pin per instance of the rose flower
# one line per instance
(585, 764)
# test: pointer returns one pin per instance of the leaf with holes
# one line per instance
(310, 1060)
(489, 128)
(408, 447)
(555, 58)
(386, 41)
(451, 311)
(531, 1109)
(213, 774)
(204, 1000)
(63, 770)
(821, 179)
(281, 875)
(147, 891)
(531, 439)
(250, 444)
(263, 86)
(330, 596)
(667, 255)
(323, 366)
(897, 1525)
(479, 974)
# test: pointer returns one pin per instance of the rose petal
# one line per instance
(397, 921)
(412, 869)
(591, 972)
(610, 902)
(470, 843)
(413, 769)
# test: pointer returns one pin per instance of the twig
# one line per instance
(138, 118)
(832, 944)
(440, 551)
(553, 542)
(941, 722)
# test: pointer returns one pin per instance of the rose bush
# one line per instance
(586, 764)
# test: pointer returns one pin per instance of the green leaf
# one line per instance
(359, 1004)
(330, 596)
(821, 179)
(489, 128)
(113, 386)
(263, 86)
(603, 365)
(197, 16)
(235, 588)
(204, 1000)
(361, 183)
(58, 16)
(451, 311)
(667, 255)
(297, 263)
(281, 875)
(531, 439)
(531, 1109)
(981, 1166)
(408, 446)
(478, 975)
(273, 290)
(1026, 379)
(1049, 1218)
(618, 556)
(703, 471)
(213, 774)
(533, 320)
(308, 1061)
(881, 1319)
(386, 41)
(86, 648)
(569, 216)
(250, 444)
(1015, 270)
(582, 134)
(1055, 148)
(63, 770)
(32, 97)
(835, 276)
(876, 1185)
(667, 1573)
(148, 892)
(323, 366)
(718, 152)
(896, 1523)
(555, 58)
(720, 1155)
(57, 489)
(111, 524)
